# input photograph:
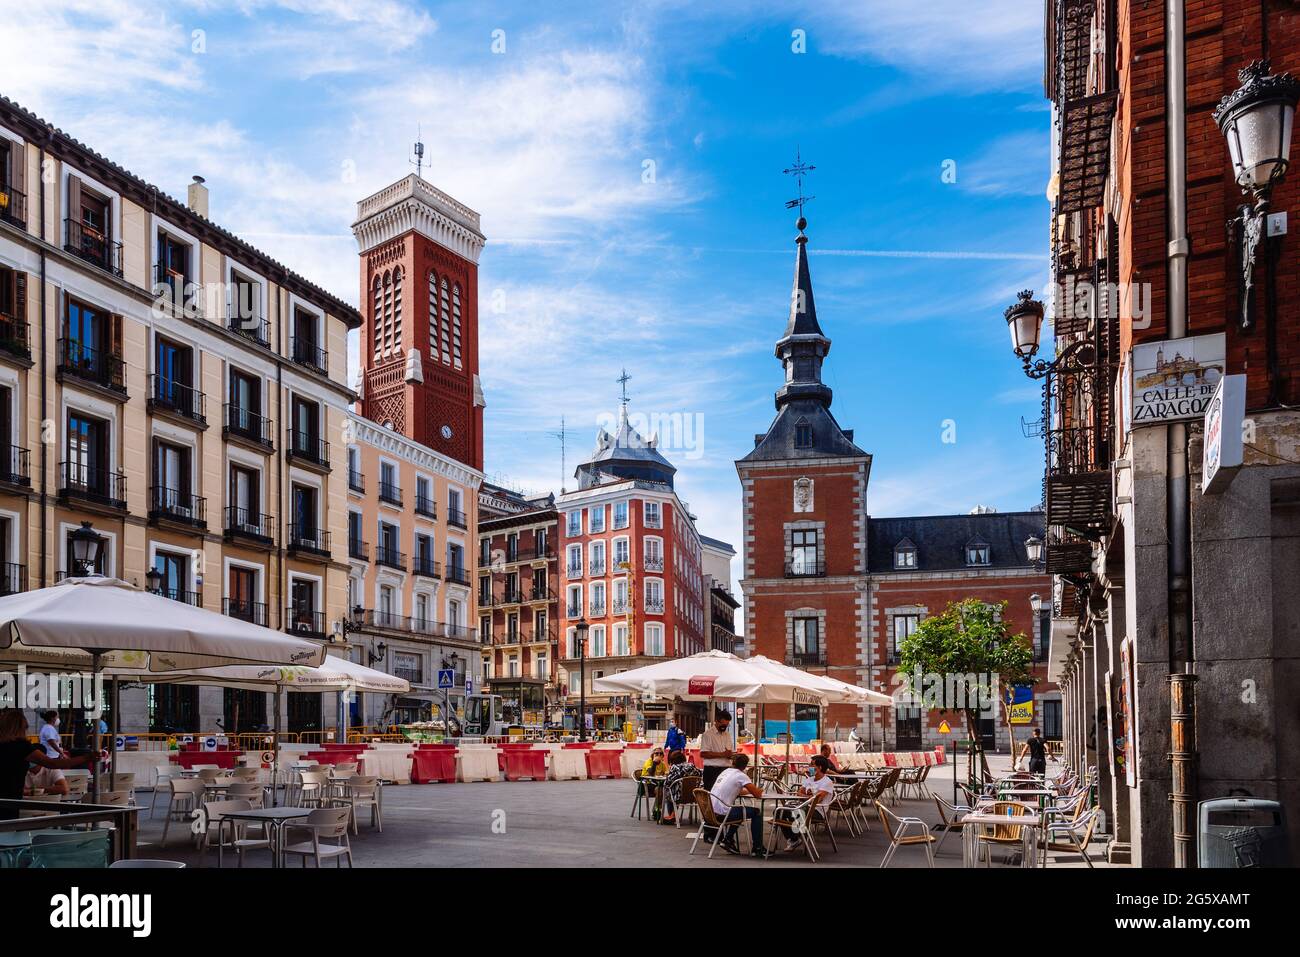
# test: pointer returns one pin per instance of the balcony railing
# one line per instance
(194, 598)
(358, 549)
(597, 568)
(356, 480)
(509, 597)
(171, 396)
(457, 518)
(805, 569)
(307, 353)
(173, 285)
(13, 578)
(390, 493)
(573, 611)
(92, 246)
(423, 627)
(424, 566)
(425, 506)
(243, 522)
(313, 541)
(99, 486)
(250, 611)
(177, 506)
(654, 563)
(802, 659)
(14, 467)
(654, 606)
(246, 424)
(308, 448)
(251, 328)
(457, 574)
(13, 205)
(620, 606)
(390, 557)
(573, 571)
(91, 365)
(597, 609)
(303, 622)
(540, 593)
(14, 337)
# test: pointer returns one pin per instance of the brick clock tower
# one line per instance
(804, 489)
(419, 296)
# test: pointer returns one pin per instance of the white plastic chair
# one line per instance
(324, 822)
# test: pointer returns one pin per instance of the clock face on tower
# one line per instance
(446, 432)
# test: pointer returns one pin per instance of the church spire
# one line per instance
(803, 346)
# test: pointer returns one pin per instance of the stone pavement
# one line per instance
(563, 823)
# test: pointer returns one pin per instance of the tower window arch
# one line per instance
(377, 315)
(803, 434)
(433, 316)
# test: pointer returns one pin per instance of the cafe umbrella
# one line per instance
(93, 622)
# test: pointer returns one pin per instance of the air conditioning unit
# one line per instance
(1242, 832)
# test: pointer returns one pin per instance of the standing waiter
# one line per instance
(715, 748)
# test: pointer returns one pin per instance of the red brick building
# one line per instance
(630, 557)
(821, 588)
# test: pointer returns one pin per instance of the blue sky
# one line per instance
(294, 109)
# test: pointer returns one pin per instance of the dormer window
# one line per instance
(977, 553)
(905, 554)
(803, 435)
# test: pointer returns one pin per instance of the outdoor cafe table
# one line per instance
(1028, 823)
(276, 817)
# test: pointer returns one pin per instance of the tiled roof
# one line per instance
(941, 540)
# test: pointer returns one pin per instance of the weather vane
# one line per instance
(799, 170)
(622, 381)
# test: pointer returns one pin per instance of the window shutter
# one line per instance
(74, 202)
(18, 167)
(20, 296)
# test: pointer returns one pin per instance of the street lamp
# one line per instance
(86, 546)
(153, 581)
(1256, 119)
(581, 629)
(1034, 549)
(1036, 603)
(1025, 323)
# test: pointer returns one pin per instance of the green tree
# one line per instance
(969, 638)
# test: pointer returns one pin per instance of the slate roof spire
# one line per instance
(803, 346)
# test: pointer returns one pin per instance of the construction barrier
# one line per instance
(604, 764)
(523, 764)
(568, 765)
(474, 764)
(430, 766)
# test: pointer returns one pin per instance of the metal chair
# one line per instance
(898, 830)
(710, 819)
(949, 818)
(641, 798)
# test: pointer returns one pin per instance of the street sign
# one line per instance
(469, 685)
(1224, 423)
(943, 728)
(446, 678)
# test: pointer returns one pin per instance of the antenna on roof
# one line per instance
(562, 435)
(418, 162)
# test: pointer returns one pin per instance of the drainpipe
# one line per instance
(45, 448)
(1182, 715)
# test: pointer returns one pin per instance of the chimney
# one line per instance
(198, 197)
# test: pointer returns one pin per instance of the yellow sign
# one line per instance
(1022, 712)
(943, 728)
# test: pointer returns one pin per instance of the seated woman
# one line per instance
(679, 769)
(16, 753)
(655, 766)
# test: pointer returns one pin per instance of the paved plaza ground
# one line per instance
(563, 824)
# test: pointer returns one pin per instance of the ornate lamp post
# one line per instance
(86, 546)
(1025, 323)
(1034, 549)
(153, 581)
(581, 629)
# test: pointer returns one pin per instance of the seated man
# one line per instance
(817, 783)
(45, 780)
(731, 783)
(829, 755)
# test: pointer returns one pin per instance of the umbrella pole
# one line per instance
(789, 733)
(94, 774)
(275, 752)
(116, 699)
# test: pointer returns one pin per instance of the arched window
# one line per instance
(378, 316)
(388, 313)
(455, 325)
(433, 316)
(446, 321)
(397, 309)
(803, 435)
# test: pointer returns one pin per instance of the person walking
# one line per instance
(1036, 748)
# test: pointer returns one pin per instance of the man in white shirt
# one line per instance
(715, 749)
(45, 780)
(731, 783)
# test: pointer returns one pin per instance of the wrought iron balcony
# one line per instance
(653, 564)
(540, 593)
(14, 467)
(620, 606)
(802, 659)
(304, 447)
(805, 569)
(97, 486)
(1077, 487)
(574, 571)
(390, 492)
(13, 578)
(91, 245)
(457, 574)
(252, 328)
(174, 505)
(13, 205)
(425, 506)
(457, 518)
(654, 606)
(356, 480)
(250, 611)
(247, 524)
(424, 566)
(597, 567)
(306, 352)
(597, 609)
(194, 598)
(304, 622)
(14, 336)
(248, 425)
(509, 597)
(97, 366)
(573, 611)
(358, 549)
(173, 285)
(390, 557)
(307, 540)
(178, 398)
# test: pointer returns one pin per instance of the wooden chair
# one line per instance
(904, 832)
(709, 819)
(1004, 835)
(685, 788)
